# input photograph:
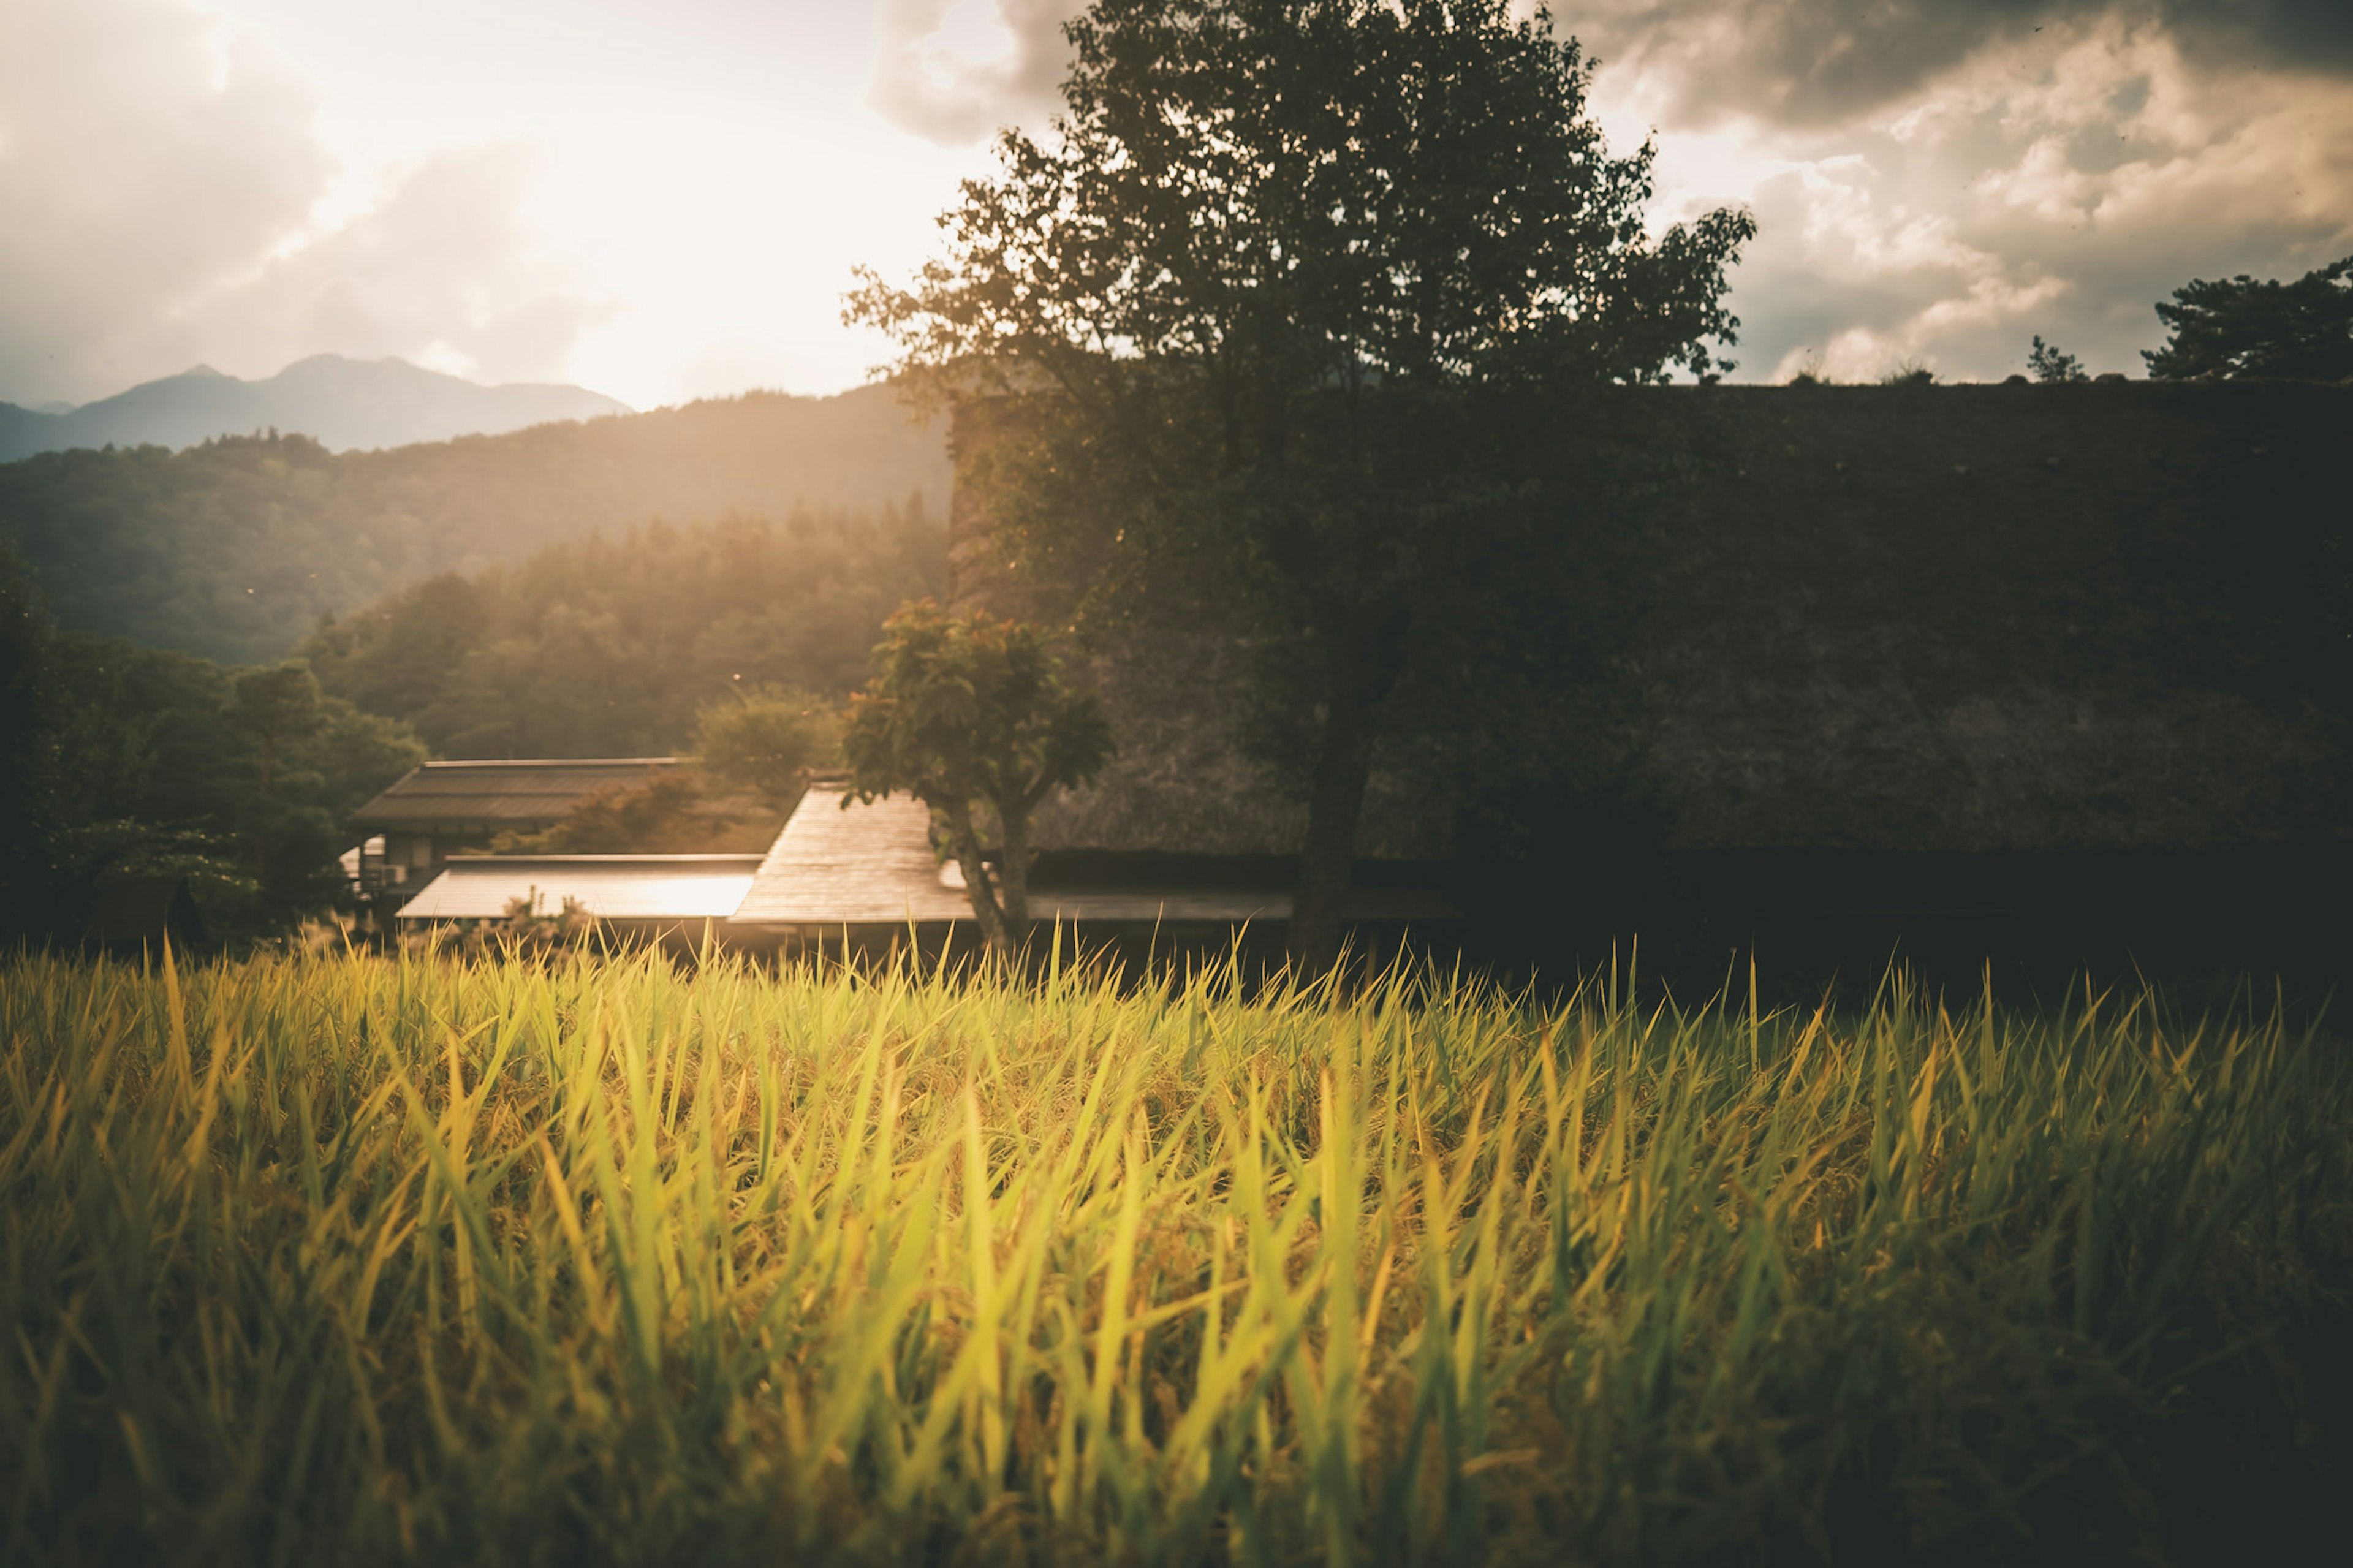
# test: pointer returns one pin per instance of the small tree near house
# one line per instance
(969, 714)
(767, 739)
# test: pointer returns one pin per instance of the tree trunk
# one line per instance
(1360, 676)
(1013, 873)
(976, 887)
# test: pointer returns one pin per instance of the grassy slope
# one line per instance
(1986, 618)
(363, 1260)
(1927, 619)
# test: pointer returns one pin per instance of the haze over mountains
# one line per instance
(233, 549)
(345, 405)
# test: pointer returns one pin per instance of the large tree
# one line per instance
(1268, 294)
(2241, 326)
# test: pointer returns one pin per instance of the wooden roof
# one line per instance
(872, 864)
(610, 887)
(505, 793)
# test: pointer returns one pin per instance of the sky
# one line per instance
(664, 201)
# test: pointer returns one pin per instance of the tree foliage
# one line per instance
(1285, 194)
(2243, 327)
(1284, 295)
(766, 739)
(969, 714)
(130, 760)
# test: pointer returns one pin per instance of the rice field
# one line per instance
(365, 1259)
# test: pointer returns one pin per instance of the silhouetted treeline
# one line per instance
(608, 647)
(118, 760)
(234, 549)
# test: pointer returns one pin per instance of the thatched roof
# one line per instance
(500, 794)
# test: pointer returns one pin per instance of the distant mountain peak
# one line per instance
(344, 403)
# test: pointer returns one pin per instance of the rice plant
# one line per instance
(401, 1259)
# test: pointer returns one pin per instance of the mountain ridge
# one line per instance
(344, 405)
(234, 548)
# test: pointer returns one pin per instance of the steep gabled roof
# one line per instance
(508, 792)
(869, 865)
(872, 865)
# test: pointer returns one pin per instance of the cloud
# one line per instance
(2058, 185)
(1794, 62)
(142, 153)
(169, 200)
(1819, 62)
(446, 272)
(953, 71)
(1936, 180)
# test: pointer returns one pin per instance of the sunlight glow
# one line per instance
(667, 202)
(701, 182)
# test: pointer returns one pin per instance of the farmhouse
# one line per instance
(865, 873)
(410, 831)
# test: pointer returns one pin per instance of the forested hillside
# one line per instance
(607, 645)
(234, 549)
(117, 759)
